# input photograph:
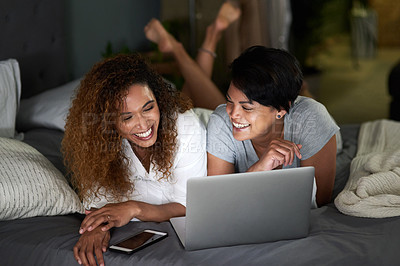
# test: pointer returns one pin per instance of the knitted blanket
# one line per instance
(373, 187)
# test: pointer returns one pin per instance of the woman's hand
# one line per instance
(111, 215)
(280, 152)
(90, 244)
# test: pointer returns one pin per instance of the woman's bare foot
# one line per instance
(156, 33)
(227, 14)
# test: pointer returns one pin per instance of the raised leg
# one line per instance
(203, 91)
(197, 74)
(227, 14)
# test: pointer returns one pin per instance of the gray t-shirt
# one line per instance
(307, 123)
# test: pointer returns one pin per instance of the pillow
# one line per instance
(10, 92)
(30, 185)
(48, 109)
(203, 114)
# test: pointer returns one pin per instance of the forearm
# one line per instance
(157, 213)
(324, 194)
(325, 182)
(258, 166)
(324, 163)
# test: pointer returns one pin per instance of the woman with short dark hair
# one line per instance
(266, 125)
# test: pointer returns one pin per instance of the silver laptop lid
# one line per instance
(246, 208)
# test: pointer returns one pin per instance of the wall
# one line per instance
(33, 33)
(91, 24)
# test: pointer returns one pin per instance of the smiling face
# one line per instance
(140, 116)
(250, 120)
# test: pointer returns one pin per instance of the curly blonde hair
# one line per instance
(92, 147)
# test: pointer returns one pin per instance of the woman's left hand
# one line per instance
(280, 152)
(111, 215)
(89, 245)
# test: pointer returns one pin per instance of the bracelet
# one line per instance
(208, 52)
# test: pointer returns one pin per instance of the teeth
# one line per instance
(240, 125)
(144, 134)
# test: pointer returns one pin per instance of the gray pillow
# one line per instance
(30, 185)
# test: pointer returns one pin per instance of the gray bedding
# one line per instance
(334, 239)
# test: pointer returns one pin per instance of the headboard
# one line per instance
(33, 32)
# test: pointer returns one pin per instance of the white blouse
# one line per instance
(190, 161)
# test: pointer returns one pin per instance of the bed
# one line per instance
(40, 213)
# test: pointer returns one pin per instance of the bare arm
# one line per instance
(280, 152)
(95, 238)
(159, 213)
(217, 166)
(324, 163)
(119, 214)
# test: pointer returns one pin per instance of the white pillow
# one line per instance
(30, 185)
(10, 92)
(48, 109)
(203, 114)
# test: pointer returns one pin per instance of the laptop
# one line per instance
(246, 208)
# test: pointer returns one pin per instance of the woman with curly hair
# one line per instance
(131, 142)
